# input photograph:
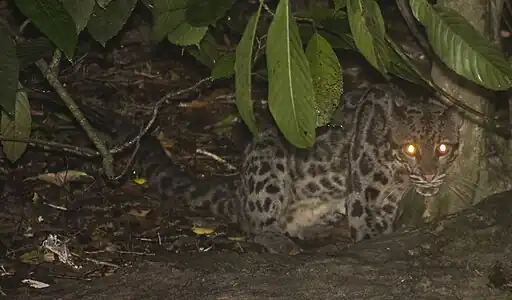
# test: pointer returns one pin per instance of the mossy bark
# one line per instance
(473, 164)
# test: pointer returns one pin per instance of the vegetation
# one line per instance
(294, 52)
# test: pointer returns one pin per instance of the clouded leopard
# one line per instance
(388, 144)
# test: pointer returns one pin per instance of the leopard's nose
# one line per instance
(429, 177)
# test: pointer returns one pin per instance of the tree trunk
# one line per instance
(473, 164)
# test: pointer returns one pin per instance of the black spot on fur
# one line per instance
(380, 177)
(371, 193)
(252, 206)
(272, 189)
(250, 184)
(266, 205)
(259, 206)
(365, 164)
(253, 169)
(389, 209)
(312, 187)
(357, 209)
(280, 153)
(269, 222)
(264, 168)
(312, 170)
(326, 183)
(259, 186)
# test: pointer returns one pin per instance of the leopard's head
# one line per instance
(428, 139)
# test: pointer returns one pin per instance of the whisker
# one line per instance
(457, 192)
(467, 184)
(396, 189)
(461, 195)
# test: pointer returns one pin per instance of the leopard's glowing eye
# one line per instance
(410, 149)
(442, 149)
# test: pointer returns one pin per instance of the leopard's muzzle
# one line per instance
(427, 185)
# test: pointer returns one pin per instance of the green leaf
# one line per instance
(334, 28)
(291, 94)
(106, 23)
(16, 127)
(30, 51)
(339, 4)
(402, 66)
(462, 48)
(224, 67)
(170, 20)
(53, 20)
(327, 77)
(317, 14)
(205, 12)
(103, 3)
(368, 30)
(337, 31)
(80, 11)
(206, 52)
(186, 35)
(9, 71)
(243, 67)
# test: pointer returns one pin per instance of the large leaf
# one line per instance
(206, 52)
(186, 35)
(205, 12)
(368, 30)
(9, 70)
(53, 20)
(17, 126)
(333, 26)
(316, 14)
(337, 31)
(243, 67)
(291, 92)
(224, 67)
(462, 48)
(80, 11)
(402, 66)
(106, 23)
(327, 77)
(169, 19)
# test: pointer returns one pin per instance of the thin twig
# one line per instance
(129, 163)
(216, 158)
(53, 80)
(88, 152)
(265, 7)
(47, 145)
(156, 109)
(50, 74)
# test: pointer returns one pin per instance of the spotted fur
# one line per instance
(359, 170)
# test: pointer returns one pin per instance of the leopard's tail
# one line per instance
(216, 194)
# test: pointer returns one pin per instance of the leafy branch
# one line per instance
(295, 52)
